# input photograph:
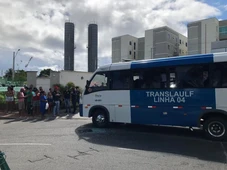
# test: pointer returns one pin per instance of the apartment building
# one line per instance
(221, 45)
(157, 43)
(201, 34)
(164, 42)
(124, 48)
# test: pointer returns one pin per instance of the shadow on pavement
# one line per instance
(171, 140)
(37, 118)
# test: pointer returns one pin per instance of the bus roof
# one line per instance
(170, 61)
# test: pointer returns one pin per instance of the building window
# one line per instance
(130, 43)
(180, 41)
(134, 45)
(180, 51)
(134, 55)
(168, 46)
(186, 44)
(168, 36)
(130, 52)
(223, 30)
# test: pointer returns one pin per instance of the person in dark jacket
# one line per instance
(75, 98)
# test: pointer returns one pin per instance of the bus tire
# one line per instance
(215, 128)
(100, 118)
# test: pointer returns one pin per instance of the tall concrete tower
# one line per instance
(92, 47)
(69, 47)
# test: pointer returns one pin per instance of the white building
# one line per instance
(124, 47)
(61, 77)
(164, 42)
(157, 43)
(201, 34)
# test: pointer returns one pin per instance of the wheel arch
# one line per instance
(97, 107)
(212, 113)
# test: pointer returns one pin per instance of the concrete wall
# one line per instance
(78, 78)
(31, 78)
(141, 48)
(116, 49)
(201, 34)
(149, 46)
(126, 48)
(209, 34)
(54, 78)
(43, 82)
(183, 45)
(219, 46)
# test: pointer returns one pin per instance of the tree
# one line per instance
(20, 75)
(70, 85)
(45, 72)
(8, 75)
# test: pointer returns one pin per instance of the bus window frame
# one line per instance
(112, 80)
(87, 88)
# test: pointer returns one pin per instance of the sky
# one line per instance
(36, 27)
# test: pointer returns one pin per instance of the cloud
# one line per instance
(225, 7)
(37, 27)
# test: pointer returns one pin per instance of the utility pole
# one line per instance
(13, 71)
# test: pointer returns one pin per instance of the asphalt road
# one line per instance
(76, 144)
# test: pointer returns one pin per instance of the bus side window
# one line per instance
(219, 72)
(120, 80)
(155, 78)
(192, 76)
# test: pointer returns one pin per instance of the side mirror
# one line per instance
(87, 82)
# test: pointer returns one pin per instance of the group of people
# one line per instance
(35, 101)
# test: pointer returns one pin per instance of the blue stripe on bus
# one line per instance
(173, 61)
(191, 101)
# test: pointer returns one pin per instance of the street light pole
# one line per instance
(13, 71)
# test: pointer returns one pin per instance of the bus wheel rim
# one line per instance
(100, 119)
(216, 129)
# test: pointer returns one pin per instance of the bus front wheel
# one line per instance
(100, 118)
(215, 128)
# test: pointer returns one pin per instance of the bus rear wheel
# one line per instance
(215, 128)
(100, 118)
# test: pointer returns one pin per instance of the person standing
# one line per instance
(25, 98)
(43, 101)
(67, 100)
(29, 101)
(9, 99)
(50, 101)
(20, 97)
(75, 98)
(56, 100)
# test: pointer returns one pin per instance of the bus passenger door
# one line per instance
(122, 107)
(120, 95)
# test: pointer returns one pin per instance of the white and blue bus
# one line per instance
(189, 91)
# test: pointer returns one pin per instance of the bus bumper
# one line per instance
(81, 110)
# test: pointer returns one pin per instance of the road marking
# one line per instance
(127, 149)
(225, 153)
(24, 144)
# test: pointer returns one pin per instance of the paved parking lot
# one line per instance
(76, 144)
